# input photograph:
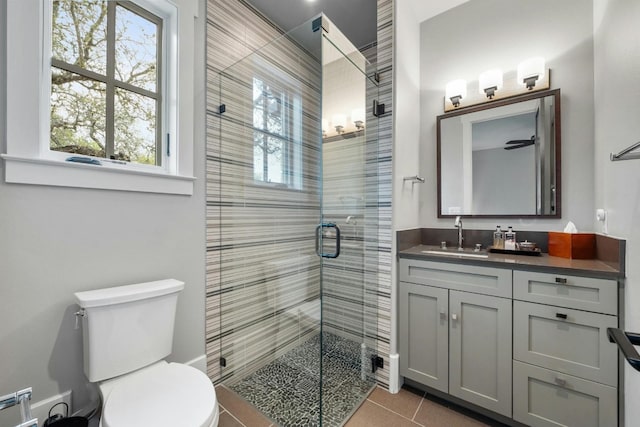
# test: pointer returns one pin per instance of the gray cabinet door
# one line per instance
(424, 337)
(480, 350)
(545, 398)
(570, 341)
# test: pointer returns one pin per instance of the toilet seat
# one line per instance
(166, 395)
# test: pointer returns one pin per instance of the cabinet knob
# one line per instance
(454, 316)
(561, 280)
(561, 316)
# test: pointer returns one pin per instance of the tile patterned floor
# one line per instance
(287, 390)
(410, 408)
(286, 393)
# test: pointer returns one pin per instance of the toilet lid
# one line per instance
(167, 396)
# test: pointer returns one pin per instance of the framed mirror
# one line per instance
(501, 159)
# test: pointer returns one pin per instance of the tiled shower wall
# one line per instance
(262, 271)
(250, 228)
(384, 67)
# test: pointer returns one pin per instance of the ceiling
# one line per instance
(357, 19)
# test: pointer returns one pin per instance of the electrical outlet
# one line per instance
(601, 215)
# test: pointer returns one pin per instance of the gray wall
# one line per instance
(478, 35)
(56, 241)
(617, 66)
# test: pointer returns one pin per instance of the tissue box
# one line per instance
(572, 245)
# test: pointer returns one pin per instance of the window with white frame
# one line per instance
(98, 80)
(106, 85)
(277, 122)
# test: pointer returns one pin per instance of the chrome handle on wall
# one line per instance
(8, 400)
(319, 230)
(22, 398)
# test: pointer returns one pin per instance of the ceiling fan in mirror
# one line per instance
(520, 143)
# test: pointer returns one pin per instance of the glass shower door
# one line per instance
(349, 200)
(297, 330)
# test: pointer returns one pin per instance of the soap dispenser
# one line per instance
(510, 239)
(498, 238)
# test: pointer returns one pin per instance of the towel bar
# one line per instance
(626, 342)
(626, 154)
(414, 179)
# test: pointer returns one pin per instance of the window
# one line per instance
(277, 117)
(106, 91)
(109, 92)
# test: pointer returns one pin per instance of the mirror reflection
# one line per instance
(501, 159)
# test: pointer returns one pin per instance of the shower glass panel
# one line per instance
(298, 179)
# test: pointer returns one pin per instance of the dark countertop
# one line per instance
(543, 263)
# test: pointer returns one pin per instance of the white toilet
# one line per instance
(127, 332)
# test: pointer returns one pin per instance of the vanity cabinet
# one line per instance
(531, 346)
(565, 371)
(455, 341)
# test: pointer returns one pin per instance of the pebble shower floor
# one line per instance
(287, 389)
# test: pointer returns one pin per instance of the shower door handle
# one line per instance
(319, 230)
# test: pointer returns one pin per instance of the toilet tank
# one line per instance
(125, 328)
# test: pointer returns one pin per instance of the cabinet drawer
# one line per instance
(582, 293)
(575, 345)
(469, 278)
(545, 398)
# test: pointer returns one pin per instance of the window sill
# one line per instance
(26, 170)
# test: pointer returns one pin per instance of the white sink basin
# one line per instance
(456, 254)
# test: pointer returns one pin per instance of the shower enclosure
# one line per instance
(297, 195)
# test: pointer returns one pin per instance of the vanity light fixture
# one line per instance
(339, 121)
(530, 70)
(530, 75)
(456, 90)
(357, 117)
(490, 81)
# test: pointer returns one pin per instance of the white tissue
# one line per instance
(570, 228)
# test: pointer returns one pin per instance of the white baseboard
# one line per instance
(40, 409)
(394, 373)
(199, 363)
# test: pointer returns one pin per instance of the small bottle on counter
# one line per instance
(498, 238)
(510, 239)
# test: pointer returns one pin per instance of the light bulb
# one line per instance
(490, 81)
(456, 90)
(358, 117)
(530, 70)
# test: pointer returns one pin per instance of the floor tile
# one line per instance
(287, 390)
(373, 415)
(432, 414)
(226, 420)
(404, 402)
(247, 414)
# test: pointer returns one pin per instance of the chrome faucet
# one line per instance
(458, 225)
